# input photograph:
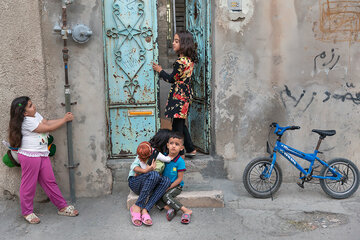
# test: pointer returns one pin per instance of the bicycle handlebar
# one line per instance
(280, 130)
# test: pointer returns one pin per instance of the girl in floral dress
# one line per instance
(180, 95)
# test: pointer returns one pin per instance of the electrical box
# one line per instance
(234, 5)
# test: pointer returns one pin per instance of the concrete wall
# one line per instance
(32, 65)
(22, 71)
(274, 63)
(86, 76)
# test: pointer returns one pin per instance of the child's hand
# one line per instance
(153, 164)
(151, 167)
(157, 67)
(68, 117)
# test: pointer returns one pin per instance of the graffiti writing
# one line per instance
(350, 85)
(339, 20)
(286, 96)
(330, 64)
(287, 93)
(355, 98)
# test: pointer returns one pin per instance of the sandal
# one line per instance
(146, 217)
(69, 211)
(135, 216)
(170, 214)
(32, 217)
(191, 154)
(185, 218)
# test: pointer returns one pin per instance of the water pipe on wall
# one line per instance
(65, 51)
(80, 34)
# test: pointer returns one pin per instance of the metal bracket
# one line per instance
(73, 103)
(73, 166)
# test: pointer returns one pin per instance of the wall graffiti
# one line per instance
(322, 60)
(287, 93)
(339, 20)
(286, 96)
(347, 96)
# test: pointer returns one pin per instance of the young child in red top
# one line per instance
(181, 93)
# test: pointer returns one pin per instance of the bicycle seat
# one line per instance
(324, 133)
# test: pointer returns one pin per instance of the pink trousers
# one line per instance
(33, 170)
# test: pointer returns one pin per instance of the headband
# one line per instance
(147, 144)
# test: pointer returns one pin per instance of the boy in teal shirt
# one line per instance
(175, 171)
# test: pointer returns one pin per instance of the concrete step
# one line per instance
(191, 199)
(199, 171)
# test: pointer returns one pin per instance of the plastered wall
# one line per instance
(288, 61)
(32, 65)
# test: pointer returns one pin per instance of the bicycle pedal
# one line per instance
(300, 185)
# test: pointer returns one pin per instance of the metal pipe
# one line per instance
(174, 14)
(65, 52)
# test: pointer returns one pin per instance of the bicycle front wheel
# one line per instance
(346, 186)
(254, 178)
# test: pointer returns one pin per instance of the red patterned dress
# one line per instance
(181, 93)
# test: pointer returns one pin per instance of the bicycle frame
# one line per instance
(286, 151)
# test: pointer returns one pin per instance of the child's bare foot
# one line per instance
(145, 217)
(188, 211)
(135, 215)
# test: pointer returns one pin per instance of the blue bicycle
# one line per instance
(339, 178)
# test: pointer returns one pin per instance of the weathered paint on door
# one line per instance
(130, 32)
(198, 19)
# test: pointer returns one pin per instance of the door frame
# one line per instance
(208, 72)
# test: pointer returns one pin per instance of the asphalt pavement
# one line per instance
(293, 213)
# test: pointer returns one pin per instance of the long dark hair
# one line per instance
(160, 139)
(187, 45)
(17, 111)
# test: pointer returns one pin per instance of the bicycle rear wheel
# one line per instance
(344, 187)
(255, 182)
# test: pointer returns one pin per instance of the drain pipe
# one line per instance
(71, 166)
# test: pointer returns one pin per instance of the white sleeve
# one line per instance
(30, 124)
(163, 158)
(38, 116)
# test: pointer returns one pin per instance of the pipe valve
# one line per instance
(80, 33)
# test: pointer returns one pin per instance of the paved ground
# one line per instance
(294, 213)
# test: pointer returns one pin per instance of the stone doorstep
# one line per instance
(192, 199)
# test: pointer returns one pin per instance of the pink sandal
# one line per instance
(170, 214)
(135, 217)
(185, 218)
(146, 217)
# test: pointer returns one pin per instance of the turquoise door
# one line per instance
(130, 32)
(198, 19)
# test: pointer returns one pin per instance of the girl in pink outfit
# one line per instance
(28, 131)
